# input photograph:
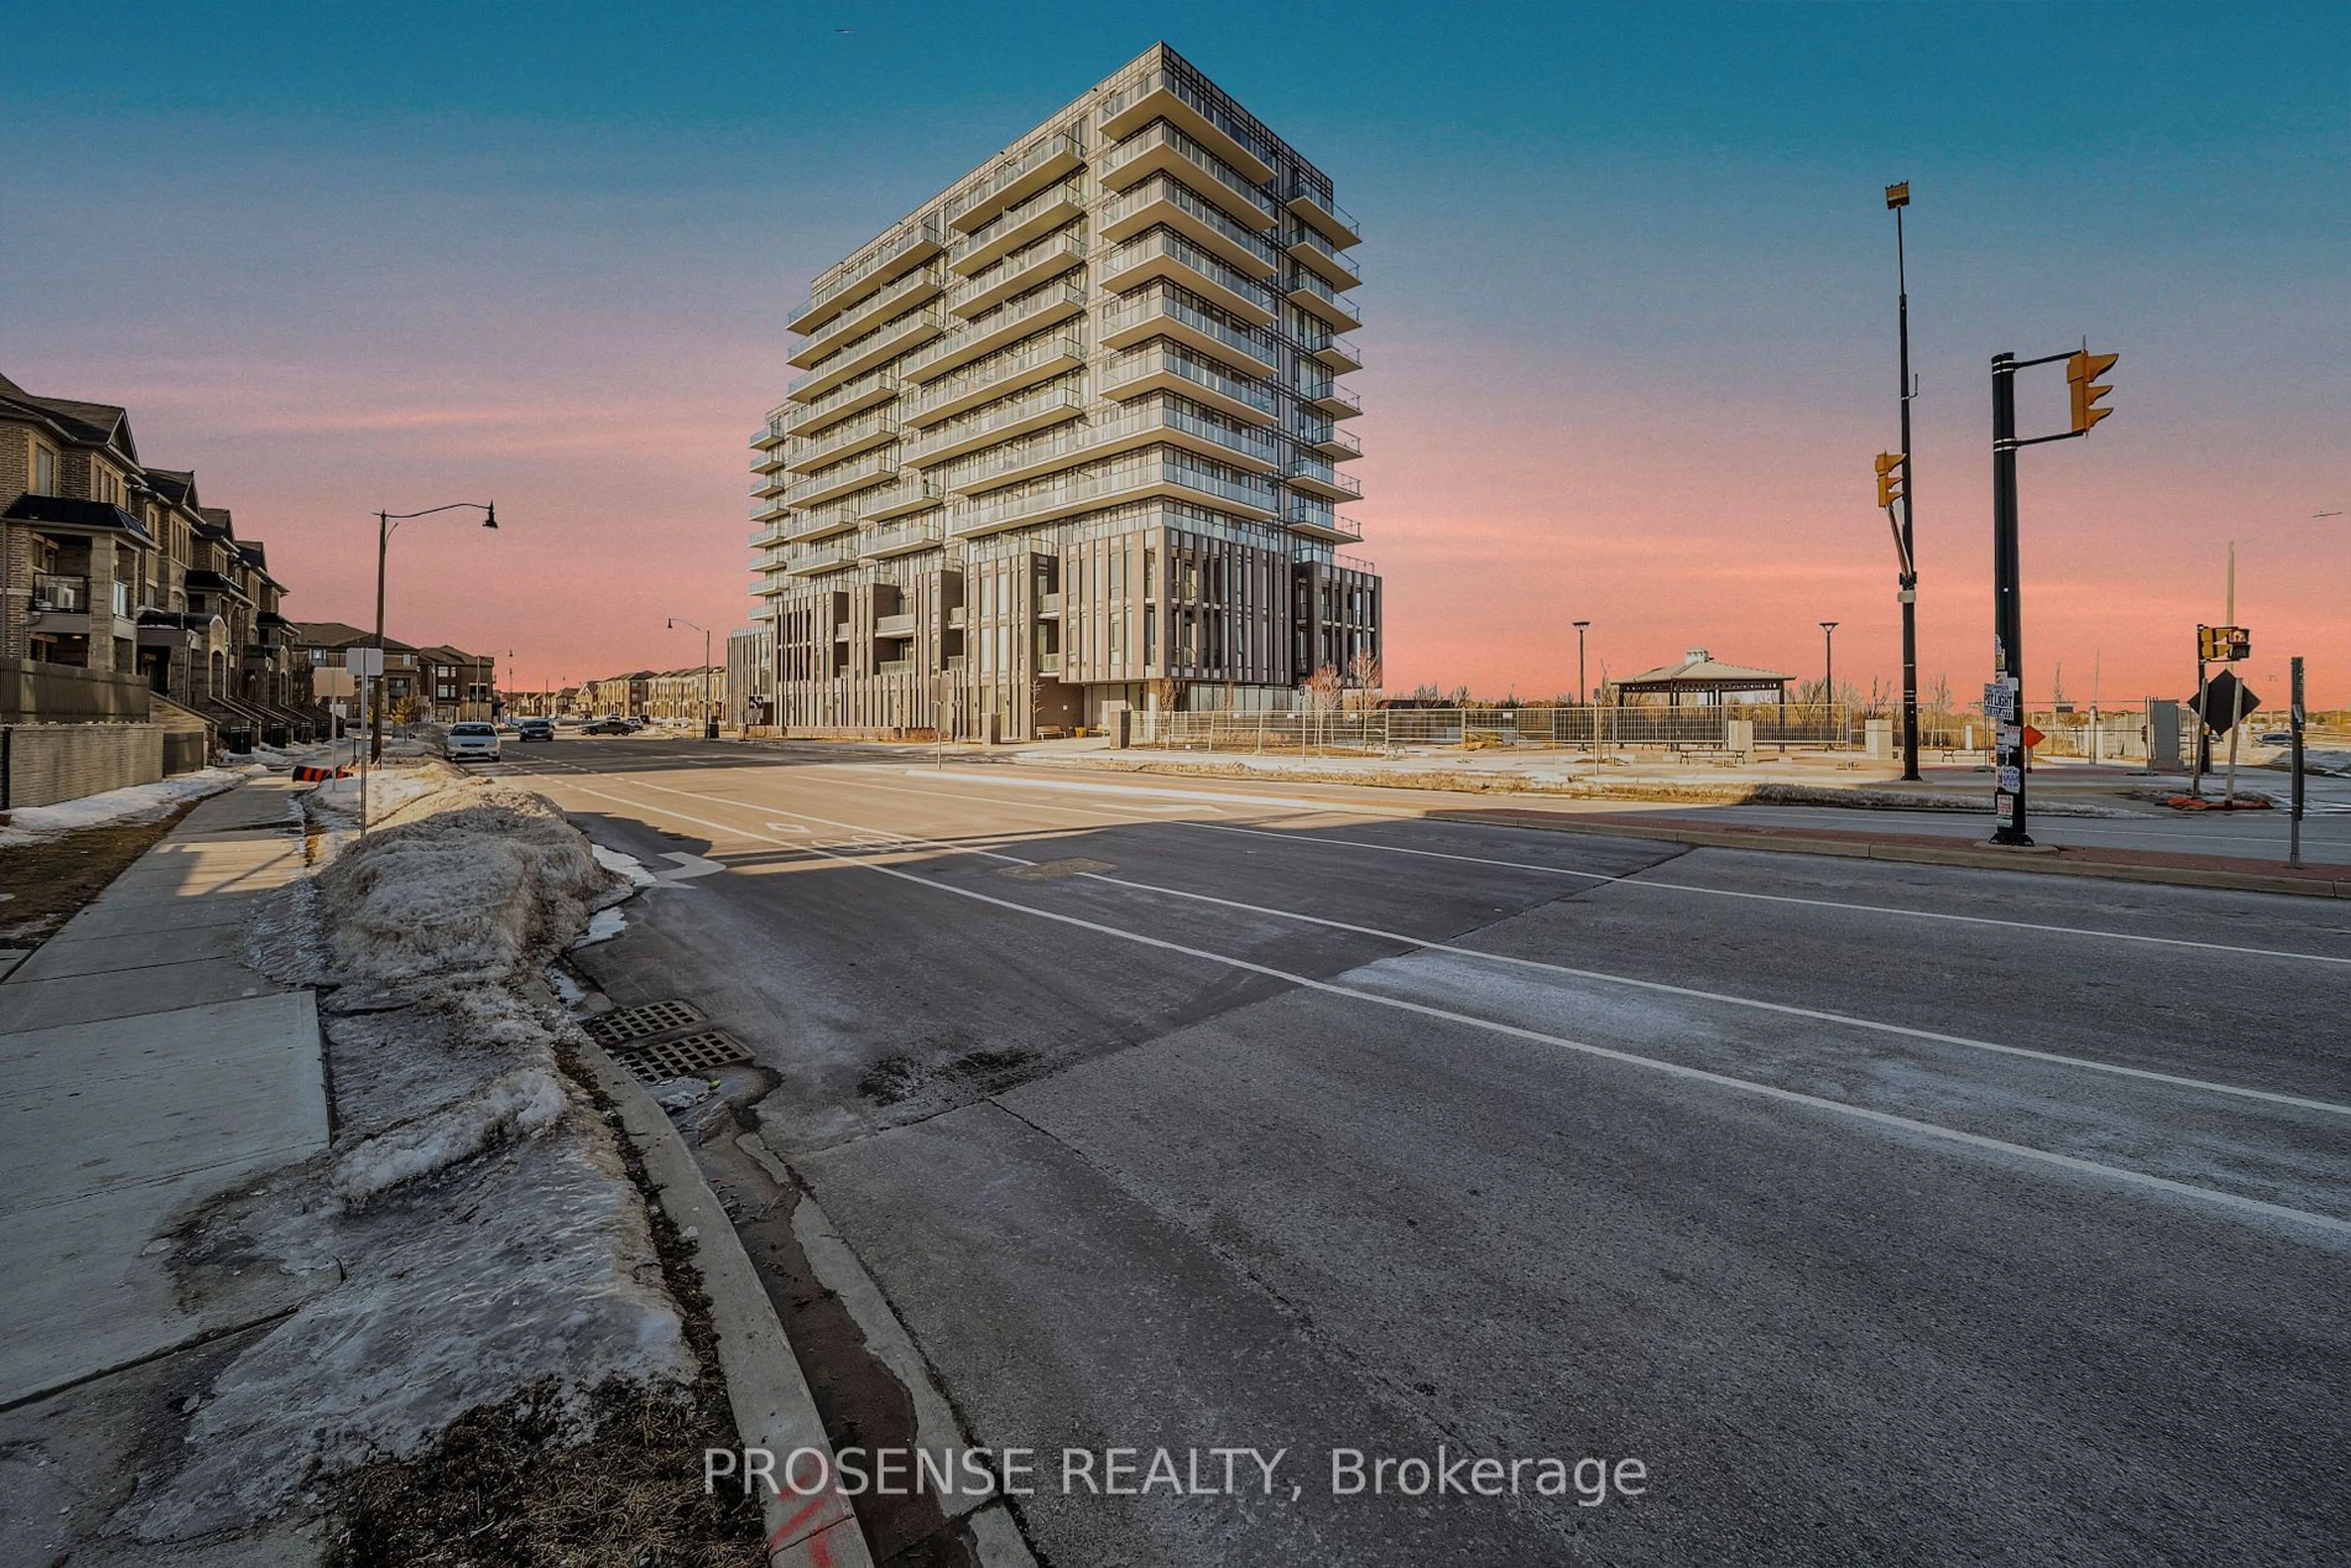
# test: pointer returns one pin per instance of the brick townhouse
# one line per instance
(124, 600)
(438, 684)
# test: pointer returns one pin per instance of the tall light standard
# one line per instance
(1898, 198)
(384, 524)
(709, 717)
(1583, 692)
(1828, 679)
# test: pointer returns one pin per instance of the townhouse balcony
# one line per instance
(813, 558)
(824, 522)
(895, 626)
(999, 329)
(1168, 369)
(775, 534)
(770, 458)
(1312, 251)
(1162, 200)
(1332, 352)
(922, 283)
(1315, 205)
(854, 397)
(768, 509)
(1316, 521)
(1022, 270)
(847, 479)
(1161, 314)
(902, 537)
(957, 619)
(989, 379)
(1037, 410)
(1014, 181)
(861, 434)
(1161, 148)
(1123, 482)
(839, 287)
(1015, 226)
(768, 485)
(1332, 400)
(1161, 94)
(1049, 664)
(912, 493)
(875, 348)
(769, 587)
(1326, 304)
(57, 594)
(1048, 607)
(1163, 254)
(895, 668)
(1317, 478)
(773, 431)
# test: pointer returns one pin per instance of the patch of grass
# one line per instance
(536, 1483)
(47, 883)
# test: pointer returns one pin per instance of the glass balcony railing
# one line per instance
(1318, 199)
(1057, 251)
(60, 595)
(1166, 304)
(1005, 324)
(977, 380)
(1148, 361)
(1003, 416)
(1074, 492)
(874, 386)
(1161, 135)
(1159, 190)
(844, 328)
(1165, 245)
(997, 234)
(884, 341)
(837, 480)
(838, 280)
(842, 438)
(1061, 149)
(1251, 138)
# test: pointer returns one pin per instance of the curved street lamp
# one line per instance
(385, 524)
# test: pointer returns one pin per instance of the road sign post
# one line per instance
(2295, 721)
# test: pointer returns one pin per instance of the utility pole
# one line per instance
(2295, 720)
(2229, 790)
(1898, 198)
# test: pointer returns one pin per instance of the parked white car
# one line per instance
(473, 741)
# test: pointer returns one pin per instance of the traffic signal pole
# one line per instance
(2008, 611)
(2008, 601)
(1909, 579)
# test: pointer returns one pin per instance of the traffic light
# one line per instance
(2082, 370)
(2223, 644)
(1892, 471)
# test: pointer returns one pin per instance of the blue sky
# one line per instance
(1629, 297)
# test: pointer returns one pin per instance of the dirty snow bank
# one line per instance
(473, 1231)
(116, 807)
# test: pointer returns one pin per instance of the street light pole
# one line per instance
(709, 719)
(1583, 692)
(1898, 198)
(1828, 679)
(383, 528)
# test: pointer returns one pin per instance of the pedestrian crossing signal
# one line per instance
(2082, 370)
(1893, 470)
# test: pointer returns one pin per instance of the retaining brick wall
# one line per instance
(47, 763)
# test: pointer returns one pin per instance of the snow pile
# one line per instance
(473, 1231)
(115, 808)
(391, 790)
(521, 1103)
(483, 876)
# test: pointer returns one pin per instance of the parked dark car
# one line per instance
(535, 729)
(609, 726)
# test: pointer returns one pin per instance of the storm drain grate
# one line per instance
(618, 1029)
(687, 1056)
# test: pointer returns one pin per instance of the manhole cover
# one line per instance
(614, 1028)
(1051, 869)
(687, 1056)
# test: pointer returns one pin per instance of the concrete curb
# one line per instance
(770, 1399)
(1976, 858)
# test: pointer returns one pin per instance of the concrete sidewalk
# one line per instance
(144, 1069)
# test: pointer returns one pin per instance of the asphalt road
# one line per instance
(1883, 1214)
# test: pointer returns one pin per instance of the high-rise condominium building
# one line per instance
(1065, 438)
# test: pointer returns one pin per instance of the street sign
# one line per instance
(2226, 702)
(2223, 644)
(2032, 738)
(363, 661)
(2000, 700)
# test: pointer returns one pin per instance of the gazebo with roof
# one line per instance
(1711, 682)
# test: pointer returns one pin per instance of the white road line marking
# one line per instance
(2115, 1174)
(1640, 881)
(1295, 801)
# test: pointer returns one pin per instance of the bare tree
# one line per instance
(1323, 689)
(1363, 675)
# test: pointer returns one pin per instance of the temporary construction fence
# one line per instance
(1392, 731)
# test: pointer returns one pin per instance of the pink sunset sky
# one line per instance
(1626, 366)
